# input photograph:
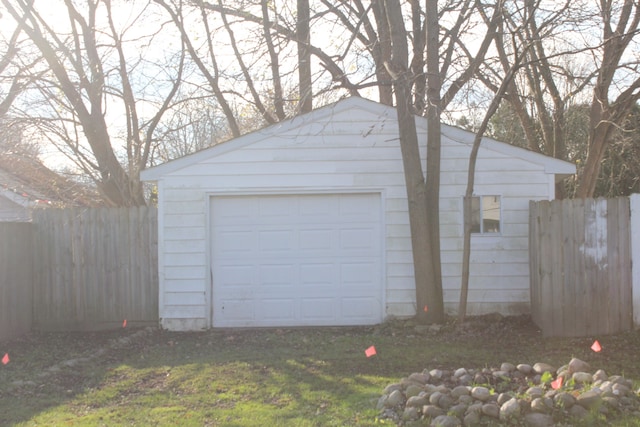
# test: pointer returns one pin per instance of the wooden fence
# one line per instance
(79, 269)
(580, 266)
(95, 268)
(16, 279)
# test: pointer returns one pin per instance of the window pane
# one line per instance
(491, 214)
(475, 215)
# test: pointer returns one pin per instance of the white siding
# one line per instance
(343, 152)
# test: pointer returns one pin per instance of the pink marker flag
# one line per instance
(371, 351)
(5, 359)
(557, 383)
(124, 324)
(425, 309)
(596, 346)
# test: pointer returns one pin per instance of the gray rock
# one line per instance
(460, 372)
(578, 412)
(458, 410)
(479, 378)
(617, 379)
(382, 402)
(564, 400)
(417, 401)
(419, 377)
(536, 419)
(538, 405)
(491, 410)
(503, 398)
(510, 410)
(577, 365)
(600, 375)
(460, 391)
(465, 379)
(434, 398)
(430, 388)
(535, 392)
(524, 368)
(507, 367)
(476, 407)
(589, 399)
(410, 414)
(392, 387)
(432, 411)
(501, 375)
(446, 402)
(412, 390)
(541, 368)
(445, 421)
(481, 393)
(620, 389)
(395, 398)
(582, 377)
(436, 374)
(471, 419)
(611, 402)
(465, 399)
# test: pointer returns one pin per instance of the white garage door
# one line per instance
(296, 260)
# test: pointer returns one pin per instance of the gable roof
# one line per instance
(551, 165)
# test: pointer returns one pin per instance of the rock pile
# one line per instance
(535, 396)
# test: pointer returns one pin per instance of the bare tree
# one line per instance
(89, 69)
(585, 53)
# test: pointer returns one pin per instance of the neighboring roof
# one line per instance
(27, 182)
(550, 164)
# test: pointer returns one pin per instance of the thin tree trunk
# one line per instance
(435, 312)
(304, 57)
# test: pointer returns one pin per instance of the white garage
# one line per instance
(295, 260)
(305, 222)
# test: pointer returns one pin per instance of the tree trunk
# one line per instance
(429, 303)
(434, 86)
(304, 56)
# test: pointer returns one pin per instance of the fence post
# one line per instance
(634, 201)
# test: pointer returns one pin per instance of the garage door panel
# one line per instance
(316, 239)
(296, 260)
(235, 240)
(319, 309)
(277, 274)
(358, 310)
(238, 310)
(357, 238)
(236, 276)
(357, 273)
(277, 309)
(275, 241)
(317, 274)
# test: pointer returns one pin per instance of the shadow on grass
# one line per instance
(313, 377)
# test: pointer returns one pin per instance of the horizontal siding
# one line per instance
(360, 152)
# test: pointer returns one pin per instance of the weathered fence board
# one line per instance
(580, 266)
(15, 279)
(95, 268)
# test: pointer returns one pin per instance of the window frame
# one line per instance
(481, 209)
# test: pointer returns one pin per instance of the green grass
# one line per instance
(298, 377)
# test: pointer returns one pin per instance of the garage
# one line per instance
(296, 259)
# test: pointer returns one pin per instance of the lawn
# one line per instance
(283, 377)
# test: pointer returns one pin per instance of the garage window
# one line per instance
(485, 215)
